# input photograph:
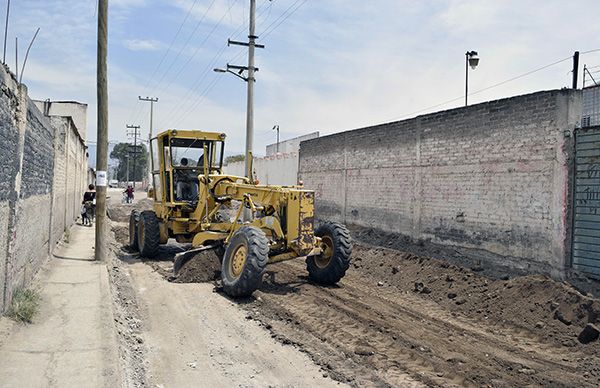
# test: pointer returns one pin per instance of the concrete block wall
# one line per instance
(33, 171)
(491, 179)
(279, 169)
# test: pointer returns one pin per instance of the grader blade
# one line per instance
(184, 257)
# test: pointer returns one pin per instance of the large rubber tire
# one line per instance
(134, 218)
(148, 234)
(243, 277)
(329, 267)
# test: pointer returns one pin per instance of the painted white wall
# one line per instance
(280, 169)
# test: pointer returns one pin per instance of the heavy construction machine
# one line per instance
(247, 224)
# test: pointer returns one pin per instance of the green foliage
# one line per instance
(24, 305)
(234, 158)
(121, 152)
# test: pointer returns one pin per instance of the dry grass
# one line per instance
(24, 305)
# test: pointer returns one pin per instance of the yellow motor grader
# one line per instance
(249, 225)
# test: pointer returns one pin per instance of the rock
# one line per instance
(449, 278)
(426, 290)
(527, 371)
(364, 351)
(569, 343)
(380, 284)
(193, 365)
(539, 325)
(563, 316)
(456, 360)
(395, 270)
(451, 295)
(589, 334)
(477, 268)
(460, 301)
(504, 277)
(418, 286)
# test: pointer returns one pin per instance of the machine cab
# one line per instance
(179, 157)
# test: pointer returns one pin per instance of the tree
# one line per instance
(234, 158)
(121, 152)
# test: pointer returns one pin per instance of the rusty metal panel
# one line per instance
(307, 220)
(586, 223)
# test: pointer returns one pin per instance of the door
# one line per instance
(586, 223)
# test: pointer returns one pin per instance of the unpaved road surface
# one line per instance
(186, 335)
(394, 320)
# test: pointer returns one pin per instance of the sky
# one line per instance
(328, 66)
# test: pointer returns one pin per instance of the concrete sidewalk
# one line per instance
(72, 342)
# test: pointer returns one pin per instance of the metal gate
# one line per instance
(586, 223)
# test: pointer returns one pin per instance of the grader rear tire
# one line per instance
(134, 218)
(330, 266)
(148, 234)
(244, 262)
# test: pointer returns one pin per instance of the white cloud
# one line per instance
(143, 45)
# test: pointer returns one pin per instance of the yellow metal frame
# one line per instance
(268, 205)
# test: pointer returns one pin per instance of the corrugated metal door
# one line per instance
(586, 231)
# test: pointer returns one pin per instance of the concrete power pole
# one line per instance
(150, 161)
(101, 250)
(135, 134)
(250, 80)
(250, 102)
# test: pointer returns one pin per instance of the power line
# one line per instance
(197, 49)
(166, 53)
(175, 111)
(274, 25)
(184, 46)
(484, 89)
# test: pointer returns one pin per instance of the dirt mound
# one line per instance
(397, 316)
(121, 212)
(202, 268)
(537, 303)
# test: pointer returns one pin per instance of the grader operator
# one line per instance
(248, 225)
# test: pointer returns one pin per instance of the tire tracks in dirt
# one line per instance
(371, 336)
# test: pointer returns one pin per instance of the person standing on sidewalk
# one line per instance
(88, 210)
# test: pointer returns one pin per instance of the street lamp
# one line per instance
(471, 59)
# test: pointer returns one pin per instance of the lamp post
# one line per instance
(471, 59)
(276, 128)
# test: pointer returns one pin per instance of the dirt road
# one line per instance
(394, 320)
(186, 335)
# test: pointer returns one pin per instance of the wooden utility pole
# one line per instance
(102, 133)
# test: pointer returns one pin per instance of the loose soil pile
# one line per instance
(121, 212)
(204, 267)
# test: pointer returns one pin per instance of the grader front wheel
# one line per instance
(244, 262)
(331, 265)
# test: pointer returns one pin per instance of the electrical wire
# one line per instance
(482, 90)
(274, 25)
(166, 53)
(196, 86)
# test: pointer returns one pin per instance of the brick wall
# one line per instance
(491, 179)
(33, 174)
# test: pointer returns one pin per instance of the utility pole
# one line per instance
(6, 30)
(249, 80)
(135, 133)
(127, 157)
(575, 68)
(150, 161)
(102, 132)
(276, 128)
